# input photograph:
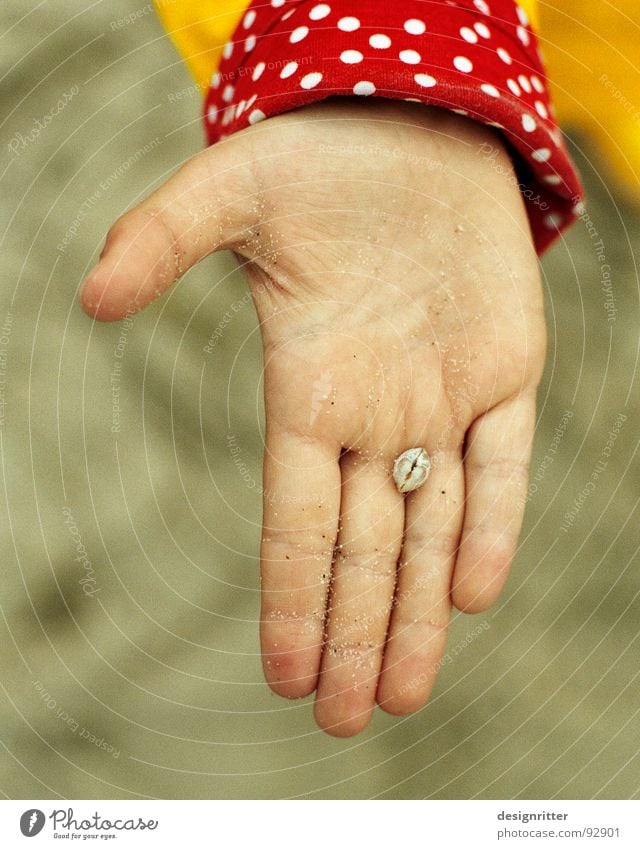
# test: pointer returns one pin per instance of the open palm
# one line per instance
(400, 306)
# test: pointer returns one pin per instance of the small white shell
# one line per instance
(411, 469)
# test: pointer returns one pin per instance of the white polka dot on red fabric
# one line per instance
(351, 57)
(380, 41)
(537, 83)
(425, 80)
(348, 24)
(311, 80)
(390, 36)
(468, 35)
(410, 57)
(461, 63)
(319, 12)
(514, 87)
(524, 83)
(489, 89)
(541, 109)
(556, 135)
(364, 88)
(216, 80)
(228, 50)
(289, 69)
(553, 220)
(542, 154)
(414, 26)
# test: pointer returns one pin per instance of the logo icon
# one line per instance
(32, 822)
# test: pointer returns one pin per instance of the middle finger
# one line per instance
(364, 574)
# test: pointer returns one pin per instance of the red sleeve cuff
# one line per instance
(475, 57)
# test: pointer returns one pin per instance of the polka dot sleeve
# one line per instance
(477, 57)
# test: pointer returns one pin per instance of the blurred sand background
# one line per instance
(133, 671)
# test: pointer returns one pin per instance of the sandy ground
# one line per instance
(133, 671)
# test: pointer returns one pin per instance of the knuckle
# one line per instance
(293, 631)
(506, 469)
(297, 545)
(380, 563)
(364, 653)
(488, 541)
(440, 543)
(422, 623)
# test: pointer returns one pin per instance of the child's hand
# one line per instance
(400, 305)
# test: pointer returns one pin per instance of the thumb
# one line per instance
(204, 207)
